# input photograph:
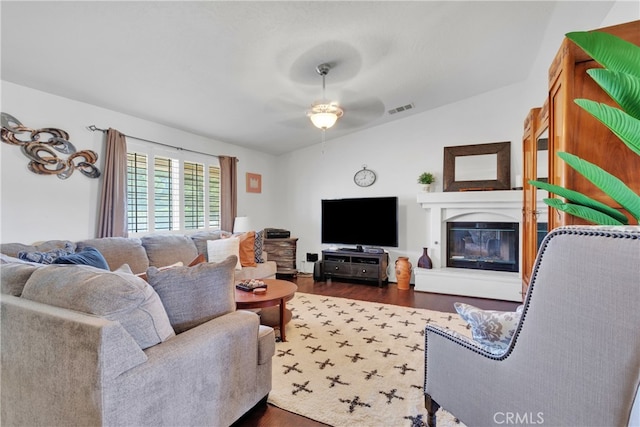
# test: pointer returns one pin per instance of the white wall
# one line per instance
(399, 151)
(41, 207)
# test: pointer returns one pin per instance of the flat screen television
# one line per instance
(370, 221)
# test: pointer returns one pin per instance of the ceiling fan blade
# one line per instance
(301, 122)
(361, 112)
(286, 112)
(283, 106)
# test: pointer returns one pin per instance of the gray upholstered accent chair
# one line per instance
(574, 359)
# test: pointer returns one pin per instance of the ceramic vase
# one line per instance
(424, 261)
(403, 272)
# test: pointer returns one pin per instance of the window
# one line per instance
(214, 197)
(169, 191)
(193, 195)
(137, 198)
(166, 181)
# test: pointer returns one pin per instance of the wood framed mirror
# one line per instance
(477, 167)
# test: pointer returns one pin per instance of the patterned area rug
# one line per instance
(356, 363)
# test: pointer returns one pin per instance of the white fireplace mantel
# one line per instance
(492, 206)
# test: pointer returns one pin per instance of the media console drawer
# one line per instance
(337, 268)
(355, 265)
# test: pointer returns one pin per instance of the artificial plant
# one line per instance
(426, 178)
(620, 79)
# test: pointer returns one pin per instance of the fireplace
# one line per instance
(467, 207)
(483, 245)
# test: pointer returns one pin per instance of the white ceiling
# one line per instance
(244, 72)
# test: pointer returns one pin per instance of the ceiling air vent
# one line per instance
(401, 109)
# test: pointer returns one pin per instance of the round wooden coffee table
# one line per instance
(278, 293)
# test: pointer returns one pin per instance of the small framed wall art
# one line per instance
(254, 183)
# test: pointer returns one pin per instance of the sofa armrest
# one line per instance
(206, 375)
(55, 360)
(464, 341)
(266, 344)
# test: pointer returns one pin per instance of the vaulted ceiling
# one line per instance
(244, 72)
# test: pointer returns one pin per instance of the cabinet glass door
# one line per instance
(542, 174)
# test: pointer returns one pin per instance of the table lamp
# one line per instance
(241, 224)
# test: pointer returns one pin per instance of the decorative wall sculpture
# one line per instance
(43, 160)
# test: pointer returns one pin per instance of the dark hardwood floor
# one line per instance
(264, 415)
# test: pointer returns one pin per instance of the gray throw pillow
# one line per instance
(167, 249)
(113, 295)
(201, 237)
(195, 295)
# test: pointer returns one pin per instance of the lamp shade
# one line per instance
(323, 120)
(241, 224)
(323, 116)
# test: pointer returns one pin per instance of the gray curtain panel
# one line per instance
(228, 191)
(113, 202)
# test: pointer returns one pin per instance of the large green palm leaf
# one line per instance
(609, 51)
(622, 88)
(620, 123)
(611, 185)
(584, 212)
(580, 199)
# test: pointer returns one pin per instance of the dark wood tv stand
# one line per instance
(351, 264)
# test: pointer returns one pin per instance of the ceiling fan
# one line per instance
(351, 111)
(324, 114)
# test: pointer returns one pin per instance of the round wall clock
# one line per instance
(364, 177)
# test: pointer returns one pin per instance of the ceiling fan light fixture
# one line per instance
(324, 116)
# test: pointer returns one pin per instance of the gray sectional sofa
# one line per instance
(156, 250)
(86, 346)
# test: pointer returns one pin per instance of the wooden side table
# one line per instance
(278, 293)
(283, 252)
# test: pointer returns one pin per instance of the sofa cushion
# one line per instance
(490, 328)
(167, 249)
(120, 250)
(12, 249)
(247, 249)
(13, 276)
(117, 296)
(219, 250)
(195, 295)
(46, 257)
(201, 238)
(87, 256)
(265, 270)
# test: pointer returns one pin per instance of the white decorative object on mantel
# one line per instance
(471, 206)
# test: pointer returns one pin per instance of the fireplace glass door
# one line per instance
(483, 245)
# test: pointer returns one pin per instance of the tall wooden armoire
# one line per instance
(573, 130)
